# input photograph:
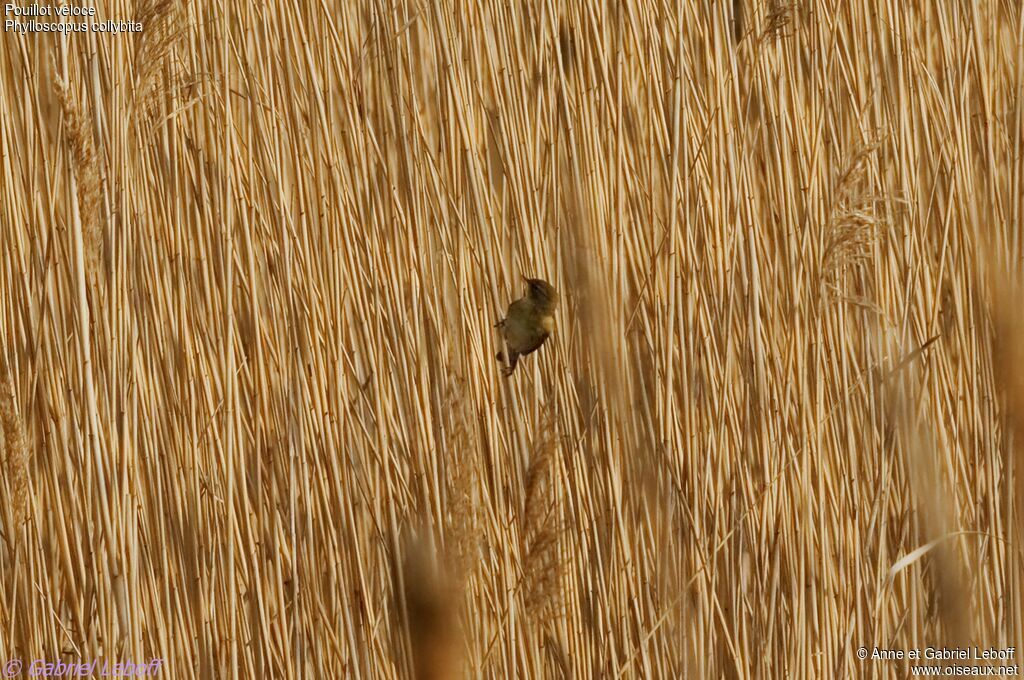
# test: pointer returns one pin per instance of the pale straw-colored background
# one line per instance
(250, 261)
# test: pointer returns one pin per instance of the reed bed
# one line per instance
(250, 262)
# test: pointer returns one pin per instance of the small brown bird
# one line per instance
(528, 322)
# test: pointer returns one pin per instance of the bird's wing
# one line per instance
(534, 346)
(520, 308)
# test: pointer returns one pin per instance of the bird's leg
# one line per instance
(513, 359)
(500, 356)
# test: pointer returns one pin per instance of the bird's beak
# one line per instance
(524, 278)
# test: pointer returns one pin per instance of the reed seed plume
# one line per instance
(154, 48)
(15, 449)
(543, 563)
(778, 21)
(853, 223)
(543, 566)
(463, 464)
(78, 136)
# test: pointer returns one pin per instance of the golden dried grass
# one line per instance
(286, 366)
